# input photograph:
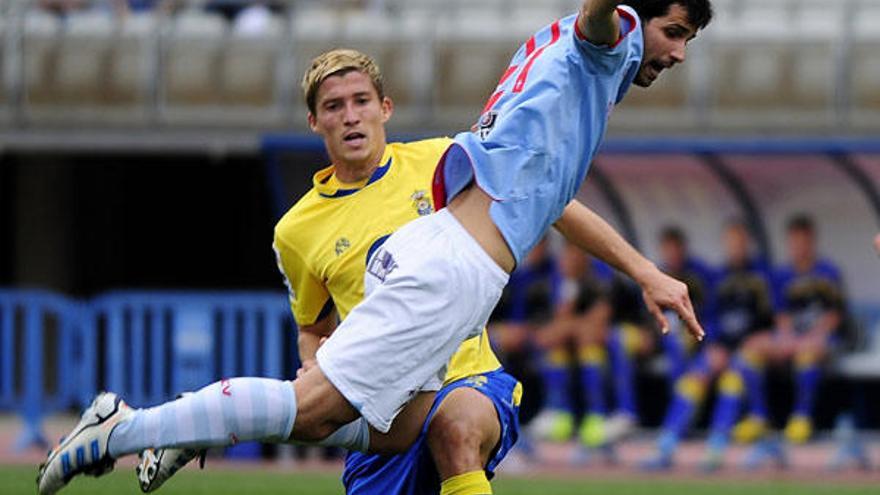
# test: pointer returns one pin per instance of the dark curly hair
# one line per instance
(699, 11)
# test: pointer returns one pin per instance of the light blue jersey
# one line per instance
(541, 128)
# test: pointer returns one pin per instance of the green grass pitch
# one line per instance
(20, 480)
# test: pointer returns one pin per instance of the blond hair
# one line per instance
(338, 62)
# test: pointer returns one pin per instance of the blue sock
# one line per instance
(753, 380)
(807, 381)
(676, 356)
(555, 374)
(727, 406)
(667, 443)
(700, 365)
(592, 359)
(622, 372)
(688, 393)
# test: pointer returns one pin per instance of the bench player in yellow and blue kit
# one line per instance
(811, 324)
(324, 244)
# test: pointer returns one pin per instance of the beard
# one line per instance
(642, 80)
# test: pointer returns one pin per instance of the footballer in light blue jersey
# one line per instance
(541, 128)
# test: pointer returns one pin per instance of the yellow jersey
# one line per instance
(323, 242)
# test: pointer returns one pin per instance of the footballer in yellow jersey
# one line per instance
(324, 241)
(456, 437)
(323, 245)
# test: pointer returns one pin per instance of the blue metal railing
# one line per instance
(157, 345)
(40, 358)
(56, 353)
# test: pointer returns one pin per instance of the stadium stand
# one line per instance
(3, 34)
(195, 57)
(129, 81)
(249, 70)
(39, 42)
(763, 63)
(864, 77)
(84, 54)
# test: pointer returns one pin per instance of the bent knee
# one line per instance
(321, 409)
(453, 433)
(313, 428)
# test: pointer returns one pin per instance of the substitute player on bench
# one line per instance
(743, 312)
(810, 314)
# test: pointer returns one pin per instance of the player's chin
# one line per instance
(357, 155)
(643, 80)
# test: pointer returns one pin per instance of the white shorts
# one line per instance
(428, 289)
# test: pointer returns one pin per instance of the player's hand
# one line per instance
(784, 343)
(306, 366)
(660, 292)
(309, 363)
(877, 244)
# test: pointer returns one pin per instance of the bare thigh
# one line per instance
(463, 432)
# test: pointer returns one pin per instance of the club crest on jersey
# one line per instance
(341, 245)
(486, 124)
(381, 265)
(422, 203)
(477, 381)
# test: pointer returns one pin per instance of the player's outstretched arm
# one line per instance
(877, 244)
(599, 21)
(590, 232)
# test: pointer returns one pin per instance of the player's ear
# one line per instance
(387, 109)
(313, 122)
